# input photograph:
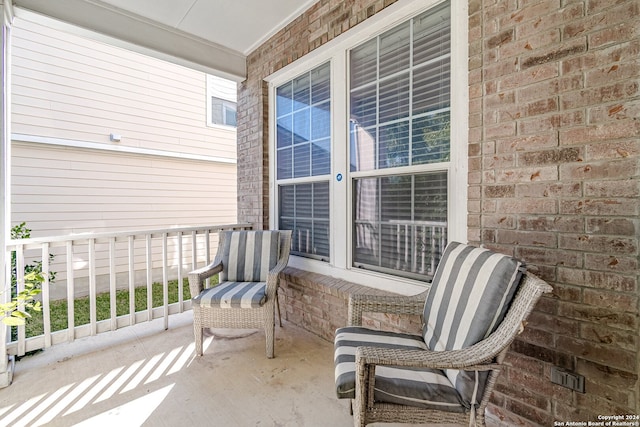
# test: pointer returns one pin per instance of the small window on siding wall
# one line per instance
(221, 101)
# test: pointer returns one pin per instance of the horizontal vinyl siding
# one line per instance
(58, 190)
(68, 87)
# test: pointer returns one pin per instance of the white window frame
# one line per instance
(225, 90)
(336, 52)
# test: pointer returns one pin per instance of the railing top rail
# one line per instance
(37, 241)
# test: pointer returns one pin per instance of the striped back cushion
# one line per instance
(470, 294)
(247, 256)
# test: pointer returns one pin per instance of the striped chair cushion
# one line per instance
(247, 256)
(233, 295)
(426, 388)
(469, 296)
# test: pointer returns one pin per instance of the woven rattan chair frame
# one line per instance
(262, 317)
(487, 355)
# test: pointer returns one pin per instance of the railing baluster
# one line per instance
(149, 279)
(194, 256)
(165, 281)
(207, 254)
(132, 282)
(423, 248)
(46, 308)
(180, 284)
(71, 324)
(112, 283)
(93, 316)
(20, 288)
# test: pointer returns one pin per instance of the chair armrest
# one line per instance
(197, 277)
(454, 359)
(393, 304)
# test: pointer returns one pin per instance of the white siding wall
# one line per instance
(67, 89)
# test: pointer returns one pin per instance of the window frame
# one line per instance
(336, 52)
(226, 100)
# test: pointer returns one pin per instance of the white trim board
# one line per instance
(117, 148)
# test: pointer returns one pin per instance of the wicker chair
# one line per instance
(445, 376)
(248, 264)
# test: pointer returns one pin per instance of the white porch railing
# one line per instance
(89, 264)
(419, 244)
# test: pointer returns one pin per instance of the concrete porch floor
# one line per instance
(145, 375)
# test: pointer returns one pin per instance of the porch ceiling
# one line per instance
(213, 36)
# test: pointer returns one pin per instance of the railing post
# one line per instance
(46, 308)
(6, 364)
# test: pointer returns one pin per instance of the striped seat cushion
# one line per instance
(426, 388)
(233, 295)
(247, 256)
(469, 296)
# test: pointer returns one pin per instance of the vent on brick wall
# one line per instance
(567, 379)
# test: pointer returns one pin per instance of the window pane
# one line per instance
(321, 121)
(301, 126)
(363, 64)
(431, 87)
(304, 208)
(400, 223)
(431, 138)
(301, 161)
(363, 147)
(394, 50)
(301, 92)
(394, 145)
(364, 104)
(432, 34)
(320, 84)
(284, 135)
(321, 158)
(284, 99)
(230, 115)
(394, 98)
(285, 164)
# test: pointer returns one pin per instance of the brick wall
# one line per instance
(554, 167)
(554, 161)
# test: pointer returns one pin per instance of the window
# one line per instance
(221, 101)
(303, 153)
(400, 118)
(363, 142)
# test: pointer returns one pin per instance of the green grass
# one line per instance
(34, 325)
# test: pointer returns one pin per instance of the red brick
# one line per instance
(598, 95)
(551, 122)
(610, 207)
(546, 189)
(601, 334)
(618, 169)
(618, 264)
(613, 300)
(526, 238)
(614, 150)
(600, 315)
(612, 226)
(543, 256)
(555, 224)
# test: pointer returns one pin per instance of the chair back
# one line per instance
(247, 256)
(470, 294)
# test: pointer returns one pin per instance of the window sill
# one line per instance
(371, 279)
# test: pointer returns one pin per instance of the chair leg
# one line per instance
(270, 328)
(198, 334)
(278, 308)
